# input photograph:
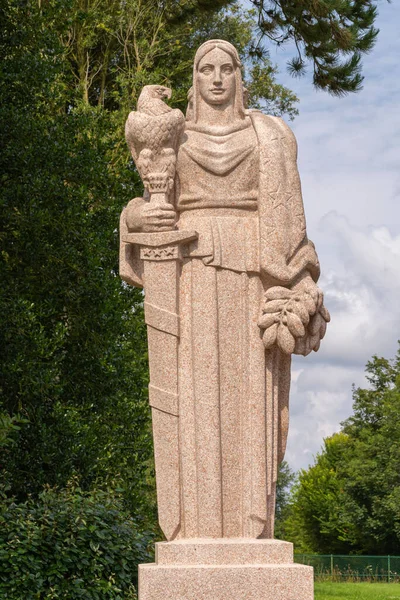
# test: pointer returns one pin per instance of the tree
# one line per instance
(315, 520)
(286, 478)
(70, 544)
(73, 355)
(373, 473)
(331, 35)
(348, 501)
(114, 50)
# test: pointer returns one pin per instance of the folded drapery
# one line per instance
(224, 241)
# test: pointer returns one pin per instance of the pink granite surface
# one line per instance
(219, 243)
(243, 569)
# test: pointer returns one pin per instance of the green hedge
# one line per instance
(69, 544)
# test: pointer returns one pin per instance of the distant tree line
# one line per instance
(349, 500)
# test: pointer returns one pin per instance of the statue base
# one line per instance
(225, 569)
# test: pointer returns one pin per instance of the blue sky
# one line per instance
(349, 162)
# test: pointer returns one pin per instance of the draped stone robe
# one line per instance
(233, 394)
(243, 197)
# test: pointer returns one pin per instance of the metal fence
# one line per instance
(338, 567)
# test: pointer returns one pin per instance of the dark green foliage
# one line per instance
(349, 500)
(373, 474)
(286, 478)
(330, 34)
(69, 544)
(73, 371)
(316, 520)
(73, 356)
(73, 351)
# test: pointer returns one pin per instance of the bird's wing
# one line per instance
(143, 130)
(137, 131)
(152, 132)
(156, 107)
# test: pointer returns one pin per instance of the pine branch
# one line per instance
(332, 35)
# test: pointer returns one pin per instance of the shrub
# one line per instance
(69, 544)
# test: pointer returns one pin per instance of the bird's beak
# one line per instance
(167, 93)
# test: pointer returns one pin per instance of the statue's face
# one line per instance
(216, 78)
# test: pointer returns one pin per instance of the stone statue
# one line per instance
(219, 243)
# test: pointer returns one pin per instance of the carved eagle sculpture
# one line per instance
(152, 133)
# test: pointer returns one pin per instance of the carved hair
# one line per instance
(192, 113)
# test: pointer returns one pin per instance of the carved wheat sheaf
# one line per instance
(295, 320)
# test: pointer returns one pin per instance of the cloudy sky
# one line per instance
(349, 161)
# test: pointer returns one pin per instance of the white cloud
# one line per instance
(349, 161)
(362, 291)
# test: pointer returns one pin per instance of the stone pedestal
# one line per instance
(225, 569)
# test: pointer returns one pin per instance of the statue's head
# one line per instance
(217, 79)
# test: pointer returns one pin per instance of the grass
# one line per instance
(357, 591)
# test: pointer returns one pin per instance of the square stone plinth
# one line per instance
(225, 569)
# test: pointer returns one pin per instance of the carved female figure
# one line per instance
(247, 299)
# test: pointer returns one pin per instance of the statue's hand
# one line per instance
(294, 319)
(158, 217)
(145, 216)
